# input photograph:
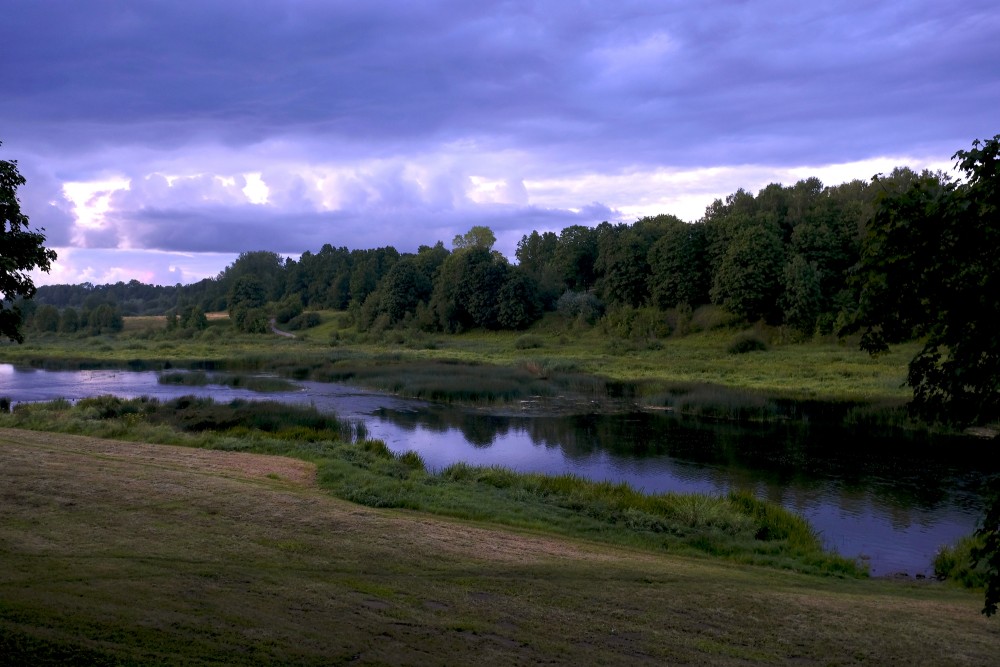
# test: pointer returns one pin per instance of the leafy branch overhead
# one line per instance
(929, 270)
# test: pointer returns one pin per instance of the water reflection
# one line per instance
(894, 502)
(907, 471)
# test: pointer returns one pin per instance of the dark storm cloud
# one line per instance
(257, 228)
(367, 121)
(620, 82)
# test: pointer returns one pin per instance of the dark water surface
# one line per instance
(891, 502)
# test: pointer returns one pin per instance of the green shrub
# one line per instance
(709, 317)
(581, 306)
(954, 562)
(412, 460)
(303, 321)
(527, 342)
(748, 341)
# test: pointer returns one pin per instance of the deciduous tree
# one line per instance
(929, 270)
(21, 251)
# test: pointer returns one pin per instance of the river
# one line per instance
(890, 503)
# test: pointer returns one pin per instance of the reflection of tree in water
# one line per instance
(907, 470)
(480, 430)
(483, 430)
(431, 419)
(631, 436)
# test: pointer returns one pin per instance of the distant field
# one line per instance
(137, 323)
(143, 323)
(121, 553)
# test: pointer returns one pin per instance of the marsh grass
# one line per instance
(881, 417)
(442, 381)
(250, 382)
(735, 527)
(528, 342)
(715, 402)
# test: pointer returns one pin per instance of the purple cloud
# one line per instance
(376, 121)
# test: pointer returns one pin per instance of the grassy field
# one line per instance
(735, 526)
(818, 369)
(123, 553)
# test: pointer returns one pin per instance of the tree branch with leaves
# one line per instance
(21, 251)
(929, 271)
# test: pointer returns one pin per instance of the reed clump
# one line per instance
(955, 563)
(259, 383)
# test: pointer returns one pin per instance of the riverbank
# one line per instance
(242, 559)
(835, 477)
(556, 365)
(736, 526)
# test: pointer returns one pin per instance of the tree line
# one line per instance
(782, 256)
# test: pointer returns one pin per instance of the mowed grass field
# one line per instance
(124, 553)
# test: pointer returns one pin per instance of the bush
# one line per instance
(527, 342)
(250, 320)
(955, 563)
(288, 309)
(748, 341)
(580, 305)
(709, 317)
(628, 322)
(303, 321)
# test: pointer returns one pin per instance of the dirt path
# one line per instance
(276, 330)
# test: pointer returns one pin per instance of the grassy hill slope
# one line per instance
(121, 553)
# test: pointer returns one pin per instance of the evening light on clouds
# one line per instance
(160, 140)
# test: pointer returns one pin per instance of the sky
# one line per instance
(160, 139)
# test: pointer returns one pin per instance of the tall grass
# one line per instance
(249, 382)
(955, 563)
(436, 381)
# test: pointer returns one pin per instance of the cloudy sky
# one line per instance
(162, 138)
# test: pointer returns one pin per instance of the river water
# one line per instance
(890, 503)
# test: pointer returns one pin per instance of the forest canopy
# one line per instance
(781, 255)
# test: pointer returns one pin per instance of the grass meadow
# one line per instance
(124, 553)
